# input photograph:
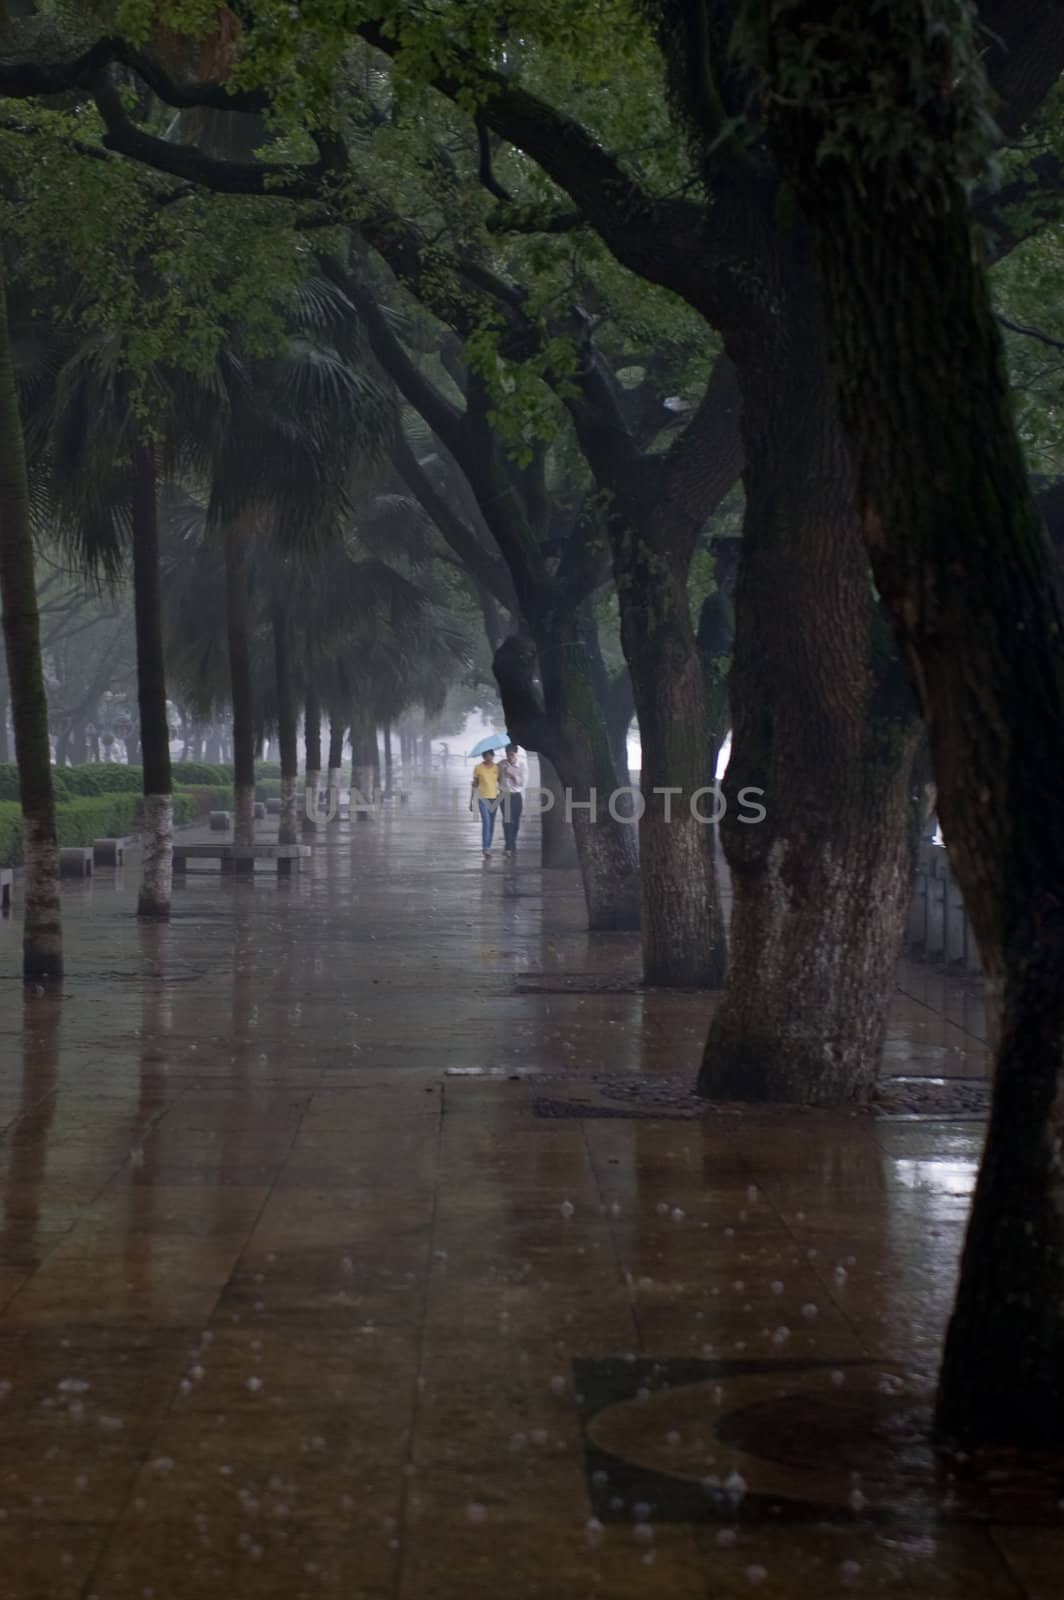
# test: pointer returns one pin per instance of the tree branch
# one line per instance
(442, 416)
(479, 563)
(1029, 333)
(270, 179)
(662, 240)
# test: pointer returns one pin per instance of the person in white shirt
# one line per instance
(511, 787)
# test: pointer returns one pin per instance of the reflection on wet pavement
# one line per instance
(290, 1307)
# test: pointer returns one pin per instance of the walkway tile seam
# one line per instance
(147, 1452)
(623, 1277)
(404, 1530)
(85, 1207)
(816, 1266)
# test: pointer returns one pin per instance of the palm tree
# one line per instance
(42, 935)
(275, 442)
(98, 466)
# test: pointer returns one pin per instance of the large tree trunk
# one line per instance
(386, 733)
(42, 935)
(363, 757)
(337, 730)
(312, 743)
(823, 732)
(153, 901)
(682, 923)
(961, 560)
(287, 729)
(567, 724)
(557, 845)
(238, 536)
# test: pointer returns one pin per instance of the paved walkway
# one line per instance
(344, 1254)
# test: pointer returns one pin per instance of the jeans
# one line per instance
(488, 809)
(512, 807)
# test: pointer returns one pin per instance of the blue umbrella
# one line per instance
(496, 741)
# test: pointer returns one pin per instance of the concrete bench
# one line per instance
(273, 808)
(241, 858)
(110, 852)
(220, 821)
(259, 810)
(75, 861)
(7, 890)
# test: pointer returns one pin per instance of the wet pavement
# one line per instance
(345, 1252)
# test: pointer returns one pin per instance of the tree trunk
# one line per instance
(557, 845)
(238, 536)
(961, 560)
(153, 902)
(363, 757)
(567, 724)
(42, 935)
(822, 732)
(386, 731)
(336, 762)
(682, 924)
(312, 743)
(287, 728)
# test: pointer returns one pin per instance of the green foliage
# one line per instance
(201, 774)
(10, 833)
(170, 280)
(83, 820)
(892, 88)
(103, 777)
(1027, 294)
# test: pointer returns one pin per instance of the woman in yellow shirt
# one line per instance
(485, 791)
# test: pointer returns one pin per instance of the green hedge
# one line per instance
(201, 775)
(81, 821)
(103, 777)
(10, 833)
(206, 797)
(267, 769)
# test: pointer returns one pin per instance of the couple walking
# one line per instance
(495, 781)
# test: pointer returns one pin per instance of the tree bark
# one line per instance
(682, 924)
(312, 744)
(658, 506)
(238, 536)
(566, 723)
(337, 730)
(153, 902)
(823, 732)
(962, 562)
(557, 845)
(42, 935)
(363, 757)
(386, 732)
(287, 729)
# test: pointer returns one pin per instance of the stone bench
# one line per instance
(220, 821)
(75, 861)
(110, 852)
(241, 858)
(7, 890)
(273, 808)
(259, 810)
